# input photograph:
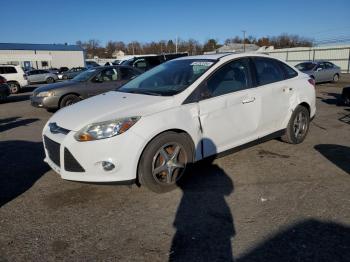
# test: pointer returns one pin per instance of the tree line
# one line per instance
(94, 47)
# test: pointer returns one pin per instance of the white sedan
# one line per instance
(184, 110)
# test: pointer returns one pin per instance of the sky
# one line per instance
(65, 21)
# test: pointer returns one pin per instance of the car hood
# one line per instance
(55, 86)
(108, 106)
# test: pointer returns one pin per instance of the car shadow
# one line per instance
(15, 98)
(21, 166)
(337, 154)
(334, 100)
(14, 122)
(309, 240)
(204, 223)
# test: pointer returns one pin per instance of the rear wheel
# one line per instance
(164, 161)
(298, 126)
(50, 80)
(64, 77)
(69, 100)
(14, 87)
(335, 78)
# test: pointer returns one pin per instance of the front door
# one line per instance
(229, 114)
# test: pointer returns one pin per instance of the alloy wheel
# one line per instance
(300, 125)
(169, 163)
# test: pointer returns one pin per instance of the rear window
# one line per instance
(8, 70)
(288, 71)
(307, 66)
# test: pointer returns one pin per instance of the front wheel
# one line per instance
(164, 161)
(298, 126)
(69, 100)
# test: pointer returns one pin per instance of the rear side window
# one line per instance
(288, 71)
(267, 71)
(329, 65)
(8, 70)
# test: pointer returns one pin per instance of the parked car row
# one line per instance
(88, 83)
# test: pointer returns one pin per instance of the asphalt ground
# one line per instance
(270, 202)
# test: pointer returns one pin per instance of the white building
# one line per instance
(42, 56)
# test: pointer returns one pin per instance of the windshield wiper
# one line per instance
(141, 91)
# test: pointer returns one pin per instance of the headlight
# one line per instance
(105, 129)
(46, 94)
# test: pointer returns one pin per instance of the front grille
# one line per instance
(70, 163)
(53, 150)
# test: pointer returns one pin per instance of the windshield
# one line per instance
(305, 66)
(169, 78)
(85, 75)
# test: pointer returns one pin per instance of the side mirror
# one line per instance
(318, 69)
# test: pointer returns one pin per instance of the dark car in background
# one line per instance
(145, 63)
(71, 73)
(321, 71)
(89, 83)
(91, 64)
(4, 89)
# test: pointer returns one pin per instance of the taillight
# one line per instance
(312, 81)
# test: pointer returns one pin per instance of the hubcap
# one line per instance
(169, 163)
(300, 125)
(13, 88)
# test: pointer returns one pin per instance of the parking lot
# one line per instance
(270, 202)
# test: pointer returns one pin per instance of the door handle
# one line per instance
(248, 100)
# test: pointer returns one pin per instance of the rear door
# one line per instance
(331, 71)
(275, 94)
(321, 74)
(229, 111)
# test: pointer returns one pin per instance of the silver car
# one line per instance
(321, 71)
(41, 76)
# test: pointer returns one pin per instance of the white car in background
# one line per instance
(16, 78)
(177, 113)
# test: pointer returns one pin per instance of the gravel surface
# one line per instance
(270, 202)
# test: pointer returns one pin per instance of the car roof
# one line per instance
(223, 56)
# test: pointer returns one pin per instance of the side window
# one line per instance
(2, 71)
(321, 66)
(109, 74)
(230, 78)
(288, 71)
(141, 64)
(267, 71)
(10, 70)
(126, 73)
(329, 65)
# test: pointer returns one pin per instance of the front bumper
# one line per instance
(123, 151)
(50, 102)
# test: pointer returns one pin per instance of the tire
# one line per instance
(297, 129)
(50, 80)
(335, 78)
(69, 100)
(169, 153)
(64, 77)
(14, 87)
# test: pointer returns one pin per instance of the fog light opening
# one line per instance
(107, 166)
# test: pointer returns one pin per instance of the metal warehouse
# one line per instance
(339, 55)
(42, 56)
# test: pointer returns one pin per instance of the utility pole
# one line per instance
(244, 40)
(176, 45)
